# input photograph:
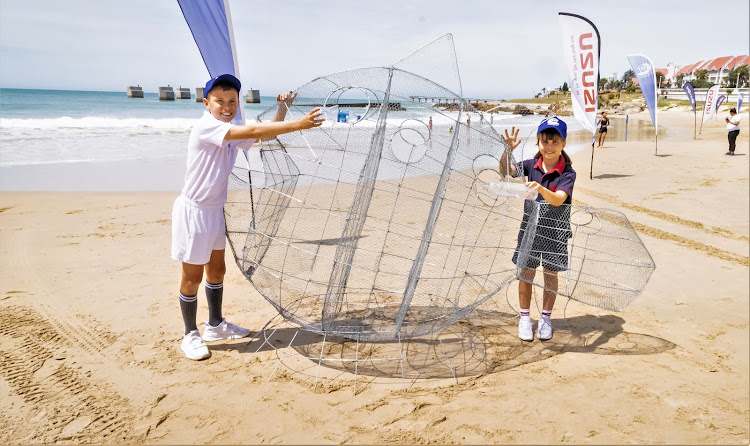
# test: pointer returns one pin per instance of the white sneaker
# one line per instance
(194, 347)
(225, 330)
(525, 329)
(544, 329)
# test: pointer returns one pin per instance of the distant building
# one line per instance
(717, 69)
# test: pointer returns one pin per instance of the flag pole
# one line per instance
(591, 170)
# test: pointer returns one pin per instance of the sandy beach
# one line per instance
(90, 329)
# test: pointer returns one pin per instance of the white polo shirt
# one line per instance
(210, 160)
(734, 123)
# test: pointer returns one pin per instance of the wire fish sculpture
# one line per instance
(378, 225)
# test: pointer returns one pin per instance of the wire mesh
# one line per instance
(374, 226)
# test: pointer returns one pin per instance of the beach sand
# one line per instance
(90, 329)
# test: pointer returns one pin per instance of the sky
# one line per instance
(505, 49)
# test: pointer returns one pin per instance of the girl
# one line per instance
(551, 174)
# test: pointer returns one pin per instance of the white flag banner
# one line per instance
(581, 47)
(709, 107)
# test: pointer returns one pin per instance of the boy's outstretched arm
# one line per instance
(260, 130)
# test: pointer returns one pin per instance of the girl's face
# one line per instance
(550, 146)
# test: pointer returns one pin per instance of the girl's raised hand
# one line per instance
(286, 99)
(511, 139)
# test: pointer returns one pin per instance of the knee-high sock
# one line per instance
(189, 308)
(214, 294)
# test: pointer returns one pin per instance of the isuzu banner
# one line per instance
(690, 92)
(210, 23)
(581, 49)
(644, 71)
(709, 107)
(739, 102)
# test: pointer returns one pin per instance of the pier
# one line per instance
(183, 93)
(253, 97)
(166, 94)
(451, 100)
(135, 92)
(392, 106)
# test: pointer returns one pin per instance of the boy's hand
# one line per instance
(286, 99)
(511, 139)
(312, 119)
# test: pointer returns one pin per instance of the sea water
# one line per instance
(95, 140)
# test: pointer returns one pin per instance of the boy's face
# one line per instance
(222, 104)
(551, 147)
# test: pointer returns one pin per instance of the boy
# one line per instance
(551, 174)
(198, 228)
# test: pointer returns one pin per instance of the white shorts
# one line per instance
(196, 231)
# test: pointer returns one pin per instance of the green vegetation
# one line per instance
(554, 96)
(739, 73)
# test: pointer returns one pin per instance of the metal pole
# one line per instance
(591, 171)
(695, 122)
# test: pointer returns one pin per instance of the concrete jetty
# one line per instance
(198, 94)
(135, 92)
(166, 94)
(253, 97)
(183, 93)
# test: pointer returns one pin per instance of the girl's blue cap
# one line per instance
(554, 123)
(224, 77)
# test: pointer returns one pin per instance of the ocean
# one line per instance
(105, 141)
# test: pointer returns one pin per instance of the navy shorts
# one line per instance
(550, 245)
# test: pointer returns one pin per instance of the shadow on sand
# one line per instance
(485, 343)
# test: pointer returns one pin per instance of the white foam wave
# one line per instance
(93, 122)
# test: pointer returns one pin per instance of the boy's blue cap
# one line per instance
(224, 77)
(554, 123)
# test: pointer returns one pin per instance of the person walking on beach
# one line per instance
(603, 123)
(198, 228)
(733, 130)
(550, 173)
(430, 125)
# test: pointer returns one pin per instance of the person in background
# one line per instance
(733, 130)
(603, 123)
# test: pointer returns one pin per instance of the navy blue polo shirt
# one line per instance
(561, 177)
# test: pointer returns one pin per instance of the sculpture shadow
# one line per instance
(484, 343)
(610, 175)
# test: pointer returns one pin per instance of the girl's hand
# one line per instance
(533, 185)
(511, 139)
(286, 99)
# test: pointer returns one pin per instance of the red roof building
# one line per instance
(717, 68)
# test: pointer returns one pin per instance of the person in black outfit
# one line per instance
(733, 129)
(603, 123)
